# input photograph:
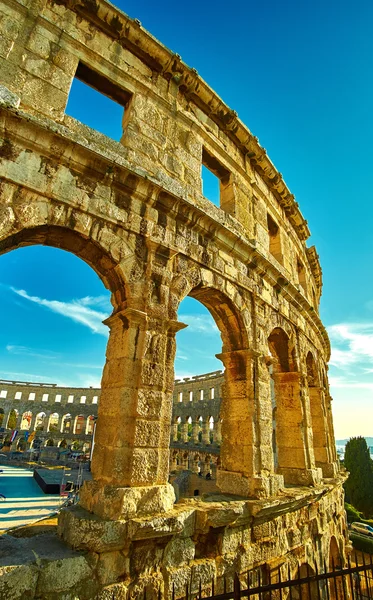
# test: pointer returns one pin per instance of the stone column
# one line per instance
(173, 464)
(238, 413)
(206, 433)
(32, 422)
(18, 422)
(6, 417)
(295, 457)
(217, 432)
(195, 465)
(184, 433)
(174, 431)
(131, 455)
(321, 441)
(195, 431)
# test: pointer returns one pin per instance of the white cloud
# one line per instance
(20, 376)
(351, 343)
(25, 351)
(76, 310)
(199, 323)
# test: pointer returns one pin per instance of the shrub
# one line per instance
(359, 542)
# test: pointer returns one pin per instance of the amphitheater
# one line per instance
(134, 211)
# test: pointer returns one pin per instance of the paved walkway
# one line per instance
(25, 502)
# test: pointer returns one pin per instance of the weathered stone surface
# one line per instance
(135, 212)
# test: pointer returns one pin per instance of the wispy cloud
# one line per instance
(25, 351)
(199, 323)
(32, 377)
(78, 310)
(351, 343)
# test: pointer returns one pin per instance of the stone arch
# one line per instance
(53, 422)
(312, 374)
(79, 424)
(322, 441)
(66, 423)
(90, 425)
(40, 421)
(11, 422)
(291, 457)
(232, 316)
(336, 562)
(26, 420)
(74, 238)
(305, 591)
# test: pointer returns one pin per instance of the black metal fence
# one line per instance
(354, 581)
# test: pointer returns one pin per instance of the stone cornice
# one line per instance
(131, 35)
(313, 260)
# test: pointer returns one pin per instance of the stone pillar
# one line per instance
(6, 418)
(174, 431)
(295, 457)
(238, 413)
(202, 465)
(173, 464)
(217, 432)
(131, 454)
(184, 433)
(321, 441)
(195, 432)
(32, 422)
(195, 465)
(206, 433)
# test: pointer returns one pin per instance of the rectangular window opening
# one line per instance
(98, 103)
(18, 396)
(301, 275)
(83, 399)
(31, 396)
(201, 394)
(45, 398)
(58, 398)
(274, 239)
(3, 394)
(94, 399)
(190, 396)
(70, 399)
(216, 185)
(180, 396)
(212, 393)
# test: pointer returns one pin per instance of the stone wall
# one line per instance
(135, 212)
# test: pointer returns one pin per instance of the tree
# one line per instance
(12, 421)
(359, 484)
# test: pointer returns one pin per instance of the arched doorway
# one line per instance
(238, 403)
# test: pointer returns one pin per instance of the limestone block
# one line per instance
(117, 591)
(110, 502)
(18, 583)
(178, 551)
(61, 575)
(180, 522)
(83, 530)
(8, 98)
(112, 566)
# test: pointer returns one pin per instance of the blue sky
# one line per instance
(300, 76)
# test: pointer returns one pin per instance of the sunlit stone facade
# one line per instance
(135, 212)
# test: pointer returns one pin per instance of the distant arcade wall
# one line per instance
(64, 415)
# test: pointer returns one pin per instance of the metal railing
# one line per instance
(351, 582)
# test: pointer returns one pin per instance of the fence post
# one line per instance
(236, 588)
